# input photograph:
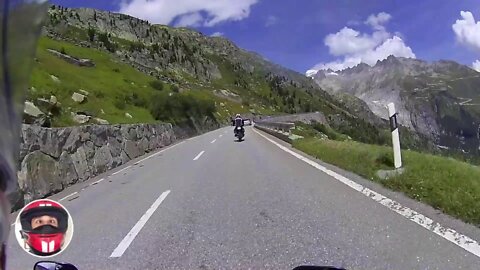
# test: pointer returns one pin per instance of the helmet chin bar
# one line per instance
(43, 241)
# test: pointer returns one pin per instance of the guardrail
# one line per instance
(282, 131)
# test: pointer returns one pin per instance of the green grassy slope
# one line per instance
(114, 87)
(444, 183)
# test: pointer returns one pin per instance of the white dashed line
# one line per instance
(70, 195)
(448, 234)
(213, 141)
(221, 135)
(125, 243)
(96, 182)
(121, 170)
(199, 155)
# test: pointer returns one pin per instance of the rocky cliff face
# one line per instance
(440, 100)
(172, 54)
(53, 158)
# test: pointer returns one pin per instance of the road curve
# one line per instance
(237, 205)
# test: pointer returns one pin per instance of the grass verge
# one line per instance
(446, 184)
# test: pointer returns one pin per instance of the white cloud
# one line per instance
(354, 47)
(349, 41)
(217, 34)
(467, 30)
(377, 21)
(192, 19)
(195, 12)
(476, 65)
(271, 20)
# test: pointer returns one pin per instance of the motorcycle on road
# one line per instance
(239, 133)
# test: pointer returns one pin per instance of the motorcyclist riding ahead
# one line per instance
(238, 122)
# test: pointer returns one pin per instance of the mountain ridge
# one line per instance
(440, 100)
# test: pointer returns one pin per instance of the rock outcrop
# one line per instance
(73, 60)
(53, 158)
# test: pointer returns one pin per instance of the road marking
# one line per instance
(122, 170)
(125, 243)
(213, 141)
(199, 155)
(221, 135)
(96, 182)
(70, 195)
(448, 234)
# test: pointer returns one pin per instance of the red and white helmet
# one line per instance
(47, 239)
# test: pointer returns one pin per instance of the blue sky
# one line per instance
(293, 33)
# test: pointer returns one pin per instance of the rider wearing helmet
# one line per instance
(20, 26)
(238, 122)
(44, 224)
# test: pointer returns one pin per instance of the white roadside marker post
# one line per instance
(397, 154)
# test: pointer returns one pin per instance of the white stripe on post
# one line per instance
(397, 154)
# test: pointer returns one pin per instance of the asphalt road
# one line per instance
(240, 205)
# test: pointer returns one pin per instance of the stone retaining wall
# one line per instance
(53, 158)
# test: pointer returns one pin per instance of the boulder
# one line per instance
(84, 92)
(102, 160)
(55, 78)
(40, 175)
(53, 100)
(43, 102)
(80, 118)
(115, 146)
(43, 121)
(68, 172)
(131, 149)
(86, 63)
(31, 110)
(79, 98)
(73, 140)
(99, 135)
(79, 159)
(101, 121)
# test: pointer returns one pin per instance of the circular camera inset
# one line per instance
(44, 228)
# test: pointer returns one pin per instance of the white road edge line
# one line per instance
(199, 155)
(213, 141)
(122, 170)
(125, 243)
(448, 234)
(69, 195)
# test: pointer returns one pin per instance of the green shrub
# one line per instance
(110, 46)
(179, 108)
(136, 100)
(119, 103)
(157, 84)
(175, 88)
(91, 34)
(98, 94)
